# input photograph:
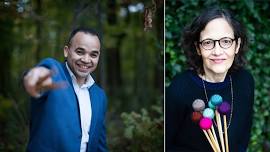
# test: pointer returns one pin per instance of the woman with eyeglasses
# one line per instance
(214, 45)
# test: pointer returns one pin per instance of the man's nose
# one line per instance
(86, 59)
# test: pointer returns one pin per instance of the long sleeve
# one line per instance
(53, 65)
(246, 137)
(175, 113)
(102, 144)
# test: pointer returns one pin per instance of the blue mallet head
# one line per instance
(216, 100)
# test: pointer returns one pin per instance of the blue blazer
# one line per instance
(55, 117)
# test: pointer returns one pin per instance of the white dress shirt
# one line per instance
(84, 105)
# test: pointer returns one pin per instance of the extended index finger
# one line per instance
(56, 85)
(44, 77)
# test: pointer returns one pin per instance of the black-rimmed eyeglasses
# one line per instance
(209, 44)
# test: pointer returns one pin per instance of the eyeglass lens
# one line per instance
(224, 43)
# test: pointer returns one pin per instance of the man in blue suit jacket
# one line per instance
(67, 106)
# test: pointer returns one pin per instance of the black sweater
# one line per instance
(183, 135)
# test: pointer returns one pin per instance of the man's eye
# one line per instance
(79, 52)
(94, 55)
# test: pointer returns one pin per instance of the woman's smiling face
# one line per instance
(218, 60)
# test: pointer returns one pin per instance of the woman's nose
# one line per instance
(217, 50)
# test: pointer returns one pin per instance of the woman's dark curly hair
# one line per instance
(191, 37)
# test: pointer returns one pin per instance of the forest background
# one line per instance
(130, 68)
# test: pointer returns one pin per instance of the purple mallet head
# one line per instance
(224, 108)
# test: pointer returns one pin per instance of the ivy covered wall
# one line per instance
(256, 18)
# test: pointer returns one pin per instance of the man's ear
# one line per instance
(238, 46)
(66, 51)
(197, 49)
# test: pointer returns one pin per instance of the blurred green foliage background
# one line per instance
(130, 68)
(255, 17)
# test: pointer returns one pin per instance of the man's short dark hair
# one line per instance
(84, 30)
(191, 36)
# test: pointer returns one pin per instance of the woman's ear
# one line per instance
(238, 46)
(197, 48)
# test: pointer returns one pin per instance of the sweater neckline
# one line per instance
(209, 85)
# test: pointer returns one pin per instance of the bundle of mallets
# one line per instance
(205, 117)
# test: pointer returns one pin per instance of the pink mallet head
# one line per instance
(205, 123)
(224, 108)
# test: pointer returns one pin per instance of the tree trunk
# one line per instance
(38, 23)
(159, 68)
(5, 55)
(102, 60)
